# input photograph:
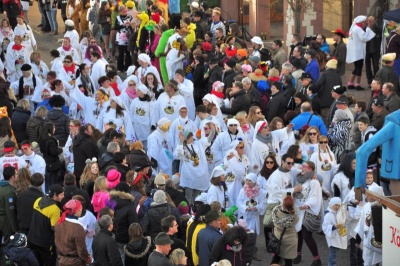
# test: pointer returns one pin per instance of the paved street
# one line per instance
(48, 42)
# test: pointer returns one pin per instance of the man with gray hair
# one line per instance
(252, 92)
(105, 249)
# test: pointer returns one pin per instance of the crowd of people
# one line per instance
(208, 141)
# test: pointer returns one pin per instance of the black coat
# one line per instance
(158, 259)
(124, 215)
(339, 53)
(61, 122)
(215, 75)
(228, 79)
(387, 74)
(324, 85)
(25, 202)
(83, 148)
(199, 83)
(19, 120)
(137, 253)
(33, 127)
(151, 224)
(105, 250)
(176, 196)
(7, 103)
(276, 106)
(72, 190)
(50, 151)
(241, 102)
(220, 252)
(254, 96)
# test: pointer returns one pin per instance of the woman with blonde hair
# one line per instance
(39, 67)
(255, 115)
(309, 142)
(248, 130)
(101, 195)
(178, 257)
(89, 175)
(23, 181)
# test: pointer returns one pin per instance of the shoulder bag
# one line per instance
(274, 245)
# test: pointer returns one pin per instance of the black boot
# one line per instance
(316, 263)
(297, 260)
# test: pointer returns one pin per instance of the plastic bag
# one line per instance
(341, 215)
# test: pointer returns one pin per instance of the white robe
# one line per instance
(216, 193)
(194, 177)
(91, 108)
(74, 37)
(67, 77)
(221, 144)
(333, 238)
(88, 222)
(56, 65)
(342, 182)
(141, 113)
(279, 184)
(174, 62)
(127, 100)
(159, 148)
(185, 125)
(305, 147)
(14, 70)
(186, 90)
(168, 107)
(356, 43)
(123, 123)
(79, 82)
(235, 172)
(260, 150)
(40, 70)
(98, 70)
(325, 168)
(251, 217)
(36, 163)
(27, 84)
(72, 52)
(28, 39)
(8, 38)
(142, 72)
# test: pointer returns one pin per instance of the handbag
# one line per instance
(311, 222)
(274, 245)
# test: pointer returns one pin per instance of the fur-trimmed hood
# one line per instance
(122, 195)
(139, 249)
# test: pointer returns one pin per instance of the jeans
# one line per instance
(52, 15)
(332, 256)
(121, 252)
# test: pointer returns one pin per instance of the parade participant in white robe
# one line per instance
(269, 166)
(90, 49)
(90, 107)
(182, 123)
(141, 111)
(175, 57)
(168, 102)
(159, 149)
(308, 199)
(202, 116)
(98, 69)
(130, 93)
(186, 88)
(266, 142)
(217, 96)
(84, 80)
(217, 189)
(36, 162)
(25, 86)
(371, 254)
(235, 172)
(309, 143)
(206, 129)
(130, 75)
(223, 141)
(15, 57)
(335, 233)
(325, 163)
(146, 67)
(72, 34)
(105, 85)
(10, 158)
(6, 36)
(193, 164)
(67, 49)
(251, 203)
(56, 64)
(39, 67)
(212, 109)
(343, 181)
(88, 221)
(25, 31)
(239, 146)
(117, 114)
(68, 72)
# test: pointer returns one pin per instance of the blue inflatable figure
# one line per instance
(389, 138)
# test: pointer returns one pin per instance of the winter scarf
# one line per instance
(284, 221)
(264, 139)
(251, 192)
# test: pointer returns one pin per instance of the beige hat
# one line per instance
(332, 64)
(389, 57)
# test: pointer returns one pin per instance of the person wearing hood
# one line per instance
(193, 166)
(98, 69)
(159, 209)
(105, 249)
(22, 29)
(235, 171)
(217, 189)
(168, 102)
(307, 200)
(124, 214)
(46, 212)
(185, 88)
(356, 50)
(70, 236)
(251, 202)
(231, 247)
(240, 102)
(335, 233)
(266, 142)
(159, 147)
(59, 119)
(117, 113)
(138, 249)
(145, 68)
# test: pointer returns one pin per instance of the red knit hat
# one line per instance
(231, 51)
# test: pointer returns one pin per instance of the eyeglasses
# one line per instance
(240, 147)
(206, 128)
(132, 84)
(269, 162)
(312, 133)
(323, 142)
(65, 61)
(306, 166)
(289, 163)
(233, 125)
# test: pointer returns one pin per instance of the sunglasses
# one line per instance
(269, 162)
(289, 163)
(323, 142)
(66, 61)
(232, 125)
(240, 147)
(206, 128)
(312, 133)
(132, 84)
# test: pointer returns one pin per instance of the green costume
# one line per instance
(162, 44)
